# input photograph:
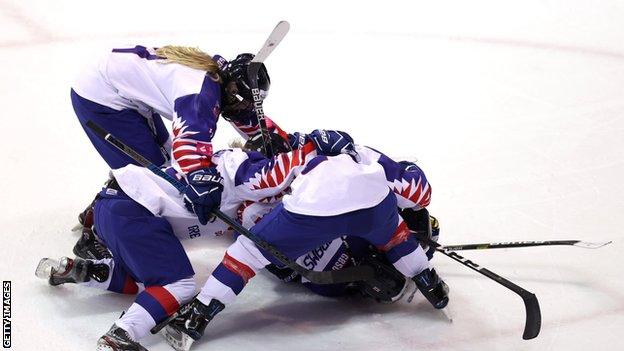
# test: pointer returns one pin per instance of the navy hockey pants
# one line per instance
(143, 244)
(128, 126)
(296, 234)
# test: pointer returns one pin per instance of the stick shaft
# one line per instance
(517, 244)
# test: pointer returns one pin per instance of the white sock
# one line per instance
(136, 321)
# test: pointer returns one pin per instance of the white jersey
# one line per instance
(137, 80)
(335, 185)
(242, 182)
(306, 183)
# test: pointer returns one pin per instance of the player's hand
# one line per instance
(333, 142)
(203, 193)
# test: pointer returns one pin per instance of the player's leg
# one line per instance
(293, 234)
(146, 246)
(103, 274)
(387, 286)
(147, 136)
(241, 262)
(334, 255)
(391, 236)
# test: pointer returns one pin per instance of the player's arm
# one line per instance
(259, 178)
(407, 181)
(247, 125)
(194, 125)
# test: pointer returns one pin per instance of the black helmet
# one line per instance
(236, 71)
(278, 144)
(236, 98)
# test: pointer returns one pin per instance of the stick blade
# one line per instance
(533, 322)
(588, 245)
(276, 36)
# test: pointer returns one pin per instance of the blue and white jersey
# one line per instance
(248, 178)
(135, 78)
(407, 181)
(305, 182)
(329, 186)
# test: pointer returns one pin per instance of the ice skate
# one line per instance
(190, 323)
(85, 218)
(89, 247)
(62, 271)
(117, 339)
(433, 288)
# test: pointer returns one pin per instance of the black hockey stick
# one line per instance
(344, 275)
(515, 244)
(533, 322)
(275, 38)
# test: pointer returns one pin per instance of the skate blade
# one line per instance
(448, 313)
(177, 339)
(102, 347)
(45, 267)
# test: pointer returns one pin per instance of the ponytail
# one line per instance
(190, 57)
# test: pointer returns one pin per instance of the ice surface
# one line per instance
(514, 109)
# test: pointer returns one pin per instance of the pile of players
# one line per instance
(320, 199)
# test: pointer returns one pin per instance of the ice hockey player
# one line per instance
(389, 284)
(148, 199)
(140, 217)
(359, 204)
(129, 90)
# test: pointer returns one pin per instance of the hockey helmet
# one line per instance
(236, 80)
(278, 144)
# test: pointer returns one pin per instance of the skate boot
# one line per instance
(67, 270)
(89, 247)
(117, 339)
(433, 288)
(85, 218)
(190, 323)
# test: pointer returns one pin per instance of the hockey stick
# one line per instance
(344, 275)
(515, 244)
(276, 36)
(533, 321)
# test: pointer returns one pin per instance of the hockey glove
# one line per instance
(333, 142)
(203, 193)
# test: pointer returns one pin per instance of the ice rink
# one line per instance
(514, 109)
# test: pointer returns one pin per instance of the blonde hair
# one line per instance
(191, 57)
(236, 143)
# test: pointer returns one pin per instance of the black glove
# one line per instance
(203, 193)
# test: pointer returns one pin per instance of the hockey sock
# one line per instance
(241, 262)
(155, 304)
(136, 321)
(404, 252)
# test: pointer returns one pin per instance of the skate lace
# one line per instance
(101, 249)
